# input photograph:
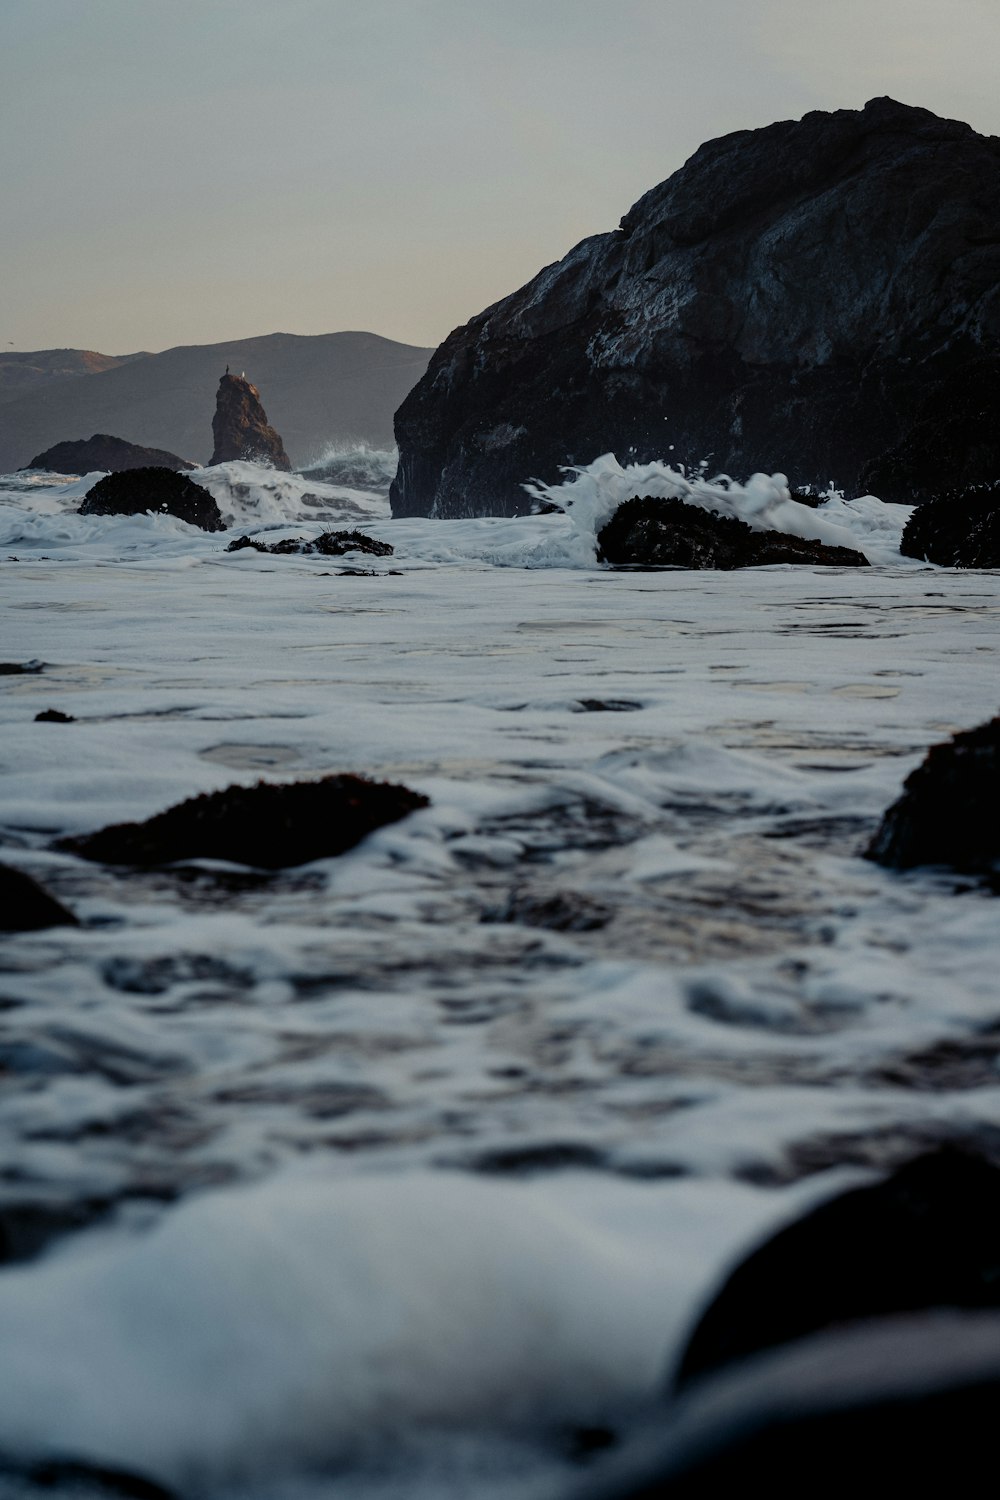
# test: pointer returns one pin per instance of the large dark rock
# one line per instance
(927, 1236)
(26, 907)
(328, 544)
(957, 530)
(269, 826)
(241, 429)
(136, 491)
(794, 298)
(949, 813)
(104, 452)
(654, 533)
(898, 1406)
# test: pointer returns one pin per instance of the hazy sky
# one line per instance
(187, 171)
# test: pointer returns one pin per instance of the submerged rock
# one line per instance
(267, 825)
(241, 429)
(26, 907)
(654, 533)
(136, 491)
(949, 813)
(102, 451)
(958, 530)
(795, 297)
(329, 544)
(927, 1236)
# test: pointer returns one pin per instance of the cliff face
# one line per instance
(240, 426)
(794, 298)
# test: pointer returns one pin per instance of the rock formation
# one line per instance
(104, 452)
(949, 813)
(137, 491)
(957, 530)
(240, 426)
(26, 907)
(794, 298)
(269, 826)
(653, 533)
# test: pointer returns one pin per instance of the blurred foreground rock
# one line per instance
(137, 491)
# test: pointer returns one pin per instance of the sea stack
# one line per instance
(820, 297)
(241, 429)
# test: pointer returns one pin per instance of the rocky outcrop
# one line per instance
(949, 813)
(268, 826)
(652, 533)
(136, 491)
(241, 429)
(958, 530)
(794, 298)
(328, 544)
(104, 452)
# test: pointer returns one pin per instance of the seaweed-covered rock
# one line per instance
(267, 825)
(927, 1236)
(241, 429)
(652, 533)
(957, 530)
(26, 907)
(949, 813)
(102, 451)
(133, 492)
(329, 544)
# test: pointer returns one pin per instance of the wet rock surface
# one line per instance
(958, 530)
(949, 813)
(102, 451)
(928, 1236)
(740, 298)
(25, 906)
(136, 491)
(328, 544)
(652, 533)
(241, 429)
(269, 826)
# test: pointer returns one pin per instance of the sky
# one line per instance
(202, 170)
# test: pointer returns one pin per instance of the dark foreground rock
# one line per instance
(899, 1406)
(794, 298)
(137, 491)
(652, 533)
(949, 813)
(102, 451)
(958, 530)
(26, 907)
(269, 826)
(927, 1236)
(54, 716)
(329, 544)
(78, 1480)
(241, 429)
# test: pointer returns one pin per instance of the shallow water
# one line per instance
(295, 1168)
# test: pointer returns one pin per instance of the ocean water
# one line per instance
(396, 1173)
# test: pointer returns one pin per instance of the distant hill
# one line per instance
(316, 389)
(20, 373)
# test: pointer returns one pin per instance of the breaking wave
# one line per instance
(355, 465)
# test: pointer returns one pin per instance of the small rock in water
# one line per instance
(26, 907)
(928, 1236)
(133, 492)
(949, 813)
(54, 716)
(267, 825)
(652, 533)
(958, 530)
(21, 668)
(329, 544)
(102, 451)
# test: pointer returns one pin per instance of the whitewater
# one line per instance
(400, 1173)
